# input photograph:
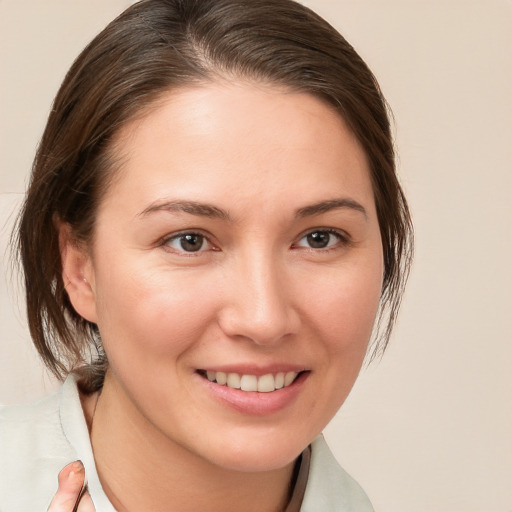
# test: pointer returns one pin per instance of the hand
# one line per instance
(71, 496)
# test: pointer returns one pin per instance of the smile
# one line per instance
(262, 384)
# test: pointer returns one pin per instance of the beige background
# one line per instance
(430, 427)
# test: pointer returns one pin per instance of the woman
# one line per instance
(212, 227)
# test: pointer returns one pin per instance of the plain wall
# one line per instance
(430, 426)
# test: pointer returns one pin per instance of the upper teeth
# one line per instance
(264, 384)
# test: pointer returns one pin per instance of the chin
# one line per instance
(253, 455)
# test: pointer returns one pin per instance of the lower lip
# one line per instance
(253, 402)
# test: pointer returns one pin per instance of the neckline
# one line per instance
(75, 430)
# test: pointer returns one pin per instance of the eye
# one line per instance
(188, 242)
(320, 239)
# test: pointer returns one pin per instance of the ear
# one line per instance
(77, 274)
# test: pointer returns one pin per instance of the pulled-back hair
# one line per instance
(151, 48)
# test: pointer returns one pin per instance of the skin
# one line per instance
(278, 165)
(71, 481)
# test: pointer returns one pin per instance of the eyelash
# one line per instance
(177, 236)
(342, 240)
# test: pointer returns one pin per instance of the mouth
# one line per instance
(255, 392)
(267, 383)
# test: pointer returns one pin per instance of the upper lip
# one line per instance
(252, 369)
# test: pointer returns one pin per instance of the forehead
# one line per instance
(249, 141)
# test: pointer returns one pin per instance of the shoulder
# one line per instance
(11, 415)
(33, 449)
(29, 428)
(330, 488)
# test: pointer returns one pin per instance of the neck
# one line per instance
(142, 469)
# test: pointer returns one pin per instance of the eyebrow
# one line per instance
(211, 211)
(331, 204)
(191, 207)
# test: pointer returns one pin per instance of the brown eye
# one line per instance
(320, 239)
(189, 242)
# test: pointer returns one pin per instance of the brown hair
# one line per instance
(157, 45)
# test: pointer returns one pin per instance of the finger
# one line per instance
(71, 482)
(86, 504)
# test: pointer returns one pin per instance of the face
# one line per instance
(235, 270)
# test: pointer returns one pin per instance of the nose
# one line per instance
(259, 303)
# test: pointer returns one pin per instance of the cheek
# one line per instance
(345, 305)
(341, 315)
(144, 316)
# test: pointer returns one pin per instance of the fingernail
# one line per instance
(76, 467)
